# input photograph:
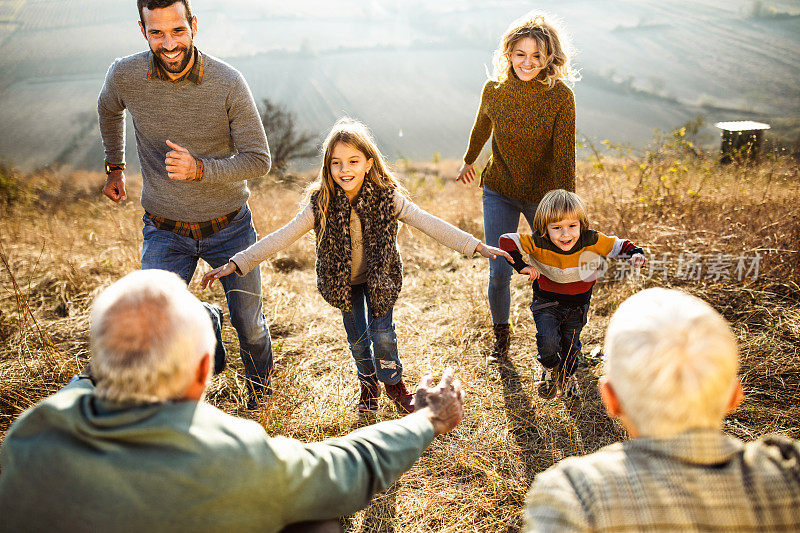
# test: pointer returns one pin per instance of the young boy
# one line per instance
(563, 252)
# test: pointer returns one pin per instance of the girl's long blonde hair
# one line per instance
(349, 131)
(554, 48)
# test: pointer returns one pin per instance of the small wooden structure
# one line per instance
(741, 140)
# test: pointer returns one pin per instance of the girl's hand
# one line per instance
(466, 174)
(532, 273)
(208, 279)
(638, 260)
(490, 252)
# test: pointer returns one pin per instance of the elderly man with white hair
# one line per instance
(670, 378)
(140, 451)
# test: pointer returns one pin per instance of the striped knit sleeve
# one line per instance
(512, 243)
(617, 247)
(482, 129)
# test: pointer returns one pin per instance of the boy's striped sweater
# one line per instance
(566, 276)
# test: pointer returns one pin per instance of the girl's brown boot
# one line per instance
(400, 395)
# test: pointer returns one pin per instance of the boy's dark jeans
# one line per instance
(558, 333)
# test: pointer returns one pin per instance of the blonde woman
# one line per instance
(353, 208)
(529, 112)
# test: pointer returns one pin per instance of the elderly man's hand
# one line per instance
(443, 404)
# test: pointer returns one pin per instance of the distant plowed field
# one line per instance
(411, 70)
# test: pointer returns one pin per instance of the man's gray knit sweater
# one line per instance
(216, 120)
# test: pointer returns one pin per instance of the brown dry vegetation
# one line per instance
(62, 243)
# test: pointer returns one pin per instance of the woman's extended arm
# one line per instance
(481, 131)
(564, 144)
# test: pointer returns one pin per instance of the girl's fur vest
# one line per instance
(375, 207)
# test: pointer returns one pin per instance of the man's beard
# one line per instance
(172, 67)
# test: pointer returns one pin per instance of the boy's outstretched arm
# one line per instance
(626, 249)
(510, 243)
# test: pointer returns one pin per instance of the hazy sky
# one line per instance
(408, 65)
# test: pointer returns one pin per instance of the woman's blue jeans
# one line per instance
(501, 215)
(372, 341)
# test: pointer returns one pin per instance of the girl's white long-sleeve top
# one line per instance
(406, 211)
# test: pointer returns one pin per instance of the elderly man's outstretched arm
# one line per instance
(339, 476)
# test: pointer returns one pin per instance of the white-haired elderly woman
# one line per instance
(670, 378)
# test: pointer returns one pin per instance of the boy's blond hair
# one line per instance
(672, 362)
(557, 205)
(552, 41)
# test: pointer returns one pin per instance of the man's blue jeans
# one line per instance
(501, 215)
(558, 333)
(169, 251)
(367, 334)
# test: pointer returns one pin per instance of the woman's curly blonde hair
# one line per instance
(553, 43)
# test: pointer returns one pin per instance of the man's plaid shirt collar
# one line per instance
(195, 74)
(697, 446)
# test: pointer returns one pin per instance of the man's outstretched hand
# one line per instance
(443, 404)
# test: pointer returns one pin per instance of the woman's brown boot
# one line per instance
(502, 339)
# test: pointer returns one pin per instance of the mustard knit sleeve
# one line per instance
(482, 129)
(564, 143)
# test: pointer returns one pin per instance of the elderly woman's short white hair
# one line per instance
(148, 334)
(672, 361)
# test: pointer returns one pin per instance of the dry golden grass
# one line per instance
(62, 243)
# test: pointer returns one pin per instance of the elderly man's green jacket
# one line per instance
(76, 463)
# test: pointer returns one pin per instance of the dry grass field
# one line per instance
(60, 243)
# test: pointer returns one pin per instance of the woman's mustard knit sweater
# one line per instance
(533, 138)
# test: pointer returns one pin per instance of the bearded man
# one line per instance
(199, 138)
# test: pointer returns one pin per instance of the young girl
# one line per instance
(530, 114)
(564, 253)
(353, 209)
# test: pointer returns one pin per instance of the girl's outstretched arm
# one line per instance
(440, 230)
(249, 258)
(219, 272)
(491, 252)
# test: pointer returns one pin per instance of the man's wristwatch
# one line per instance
(114, 167)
